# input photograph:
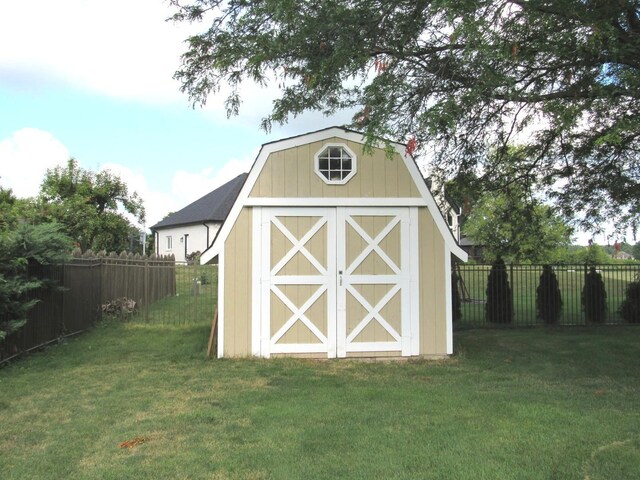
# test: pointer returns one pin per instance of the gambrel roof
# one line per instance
(426, 198)
(213, 207)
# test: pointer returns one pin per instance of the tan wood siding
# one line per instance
(237, 287)
(290, 174)
(433, 324)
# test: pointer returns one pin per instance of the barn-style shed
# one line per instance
(331, 250)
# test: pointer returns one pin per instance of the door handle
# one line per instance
(340, 277)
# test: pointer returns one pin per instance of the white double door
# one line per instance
(336, 280)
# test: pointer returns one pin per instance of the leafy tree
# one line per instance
(548, 296)
(91, 206)
(636, 251)
(22, 250)
(630, 307)
(512, 227)
(7, 208)
(499, 306)
(13, 209)
(595, 254)
(594, 297)
(560, 77)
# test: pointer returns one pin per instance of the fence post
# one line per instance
(146, 290)
(583, 314)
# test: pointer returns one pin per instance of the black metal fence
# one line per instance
(131, 288)
(524, 281)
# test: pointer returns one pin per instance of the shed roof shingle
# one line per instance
(213, 207)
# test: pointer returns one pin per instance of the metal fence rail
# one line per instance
(524, 280)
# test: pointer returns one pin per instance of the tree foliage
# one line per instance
(22, 250)
(548, 296)
(466, 77)
(92, 206)
(499, 306)
(14, 210)
(594, 255)
(509, 225)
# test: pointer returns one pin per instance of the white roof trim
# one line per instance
(318, 136)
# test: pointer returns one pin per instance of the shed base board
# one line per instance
(366, 357)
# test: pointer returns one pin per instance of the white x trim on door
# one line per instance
(334, 279)
(398, 281)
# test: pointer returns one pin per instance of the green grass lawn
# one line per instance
(511, 404)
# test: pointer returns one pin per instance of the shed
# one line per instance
(332, 250)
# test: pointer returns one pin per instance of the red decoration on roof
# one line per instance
(412, 144)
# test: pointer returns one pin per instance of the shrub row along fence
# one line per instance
(523, 283)
(128, 287)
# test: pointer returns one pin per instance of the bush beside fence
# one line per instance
(524, 281)
(154, 289)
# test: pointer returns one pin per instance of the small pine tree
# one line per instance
(630, 307)
(499, 307)
(455, 297)
(548, 296)
(594, 297)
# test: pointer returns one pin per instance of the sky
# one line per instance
(92, 79)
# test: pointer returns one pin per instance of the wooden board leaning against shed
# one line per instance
(332, 251)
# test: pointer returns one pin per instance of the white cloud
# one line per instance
(189, 186)
(25, 157)
(186, 186)
(121, 48)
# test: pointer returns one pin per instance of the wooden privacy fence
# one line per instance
(85, 285)
(524, 281)
(144, 280)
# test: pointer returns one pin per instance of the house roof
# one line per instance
(213, 207)
(467, 242)
(319, 135)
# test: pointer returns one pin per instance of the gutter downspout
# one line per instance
(207, 227)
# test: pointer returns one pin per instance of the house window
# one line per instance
(335, 164)
(169, 243)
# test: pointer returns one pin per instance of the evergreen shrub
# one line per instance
(594, 297)
(630, 307)
(548, 296)
(499, 307)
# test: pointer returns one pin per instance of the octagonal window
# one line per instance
(335, 164)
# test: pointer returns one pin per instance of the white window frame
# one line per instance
(316, 163)
(169, 243)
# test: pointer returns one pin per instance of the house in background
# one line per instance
(449, 208)
(193, 228)
(451, 212)
(334, 250)
(474, 250)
